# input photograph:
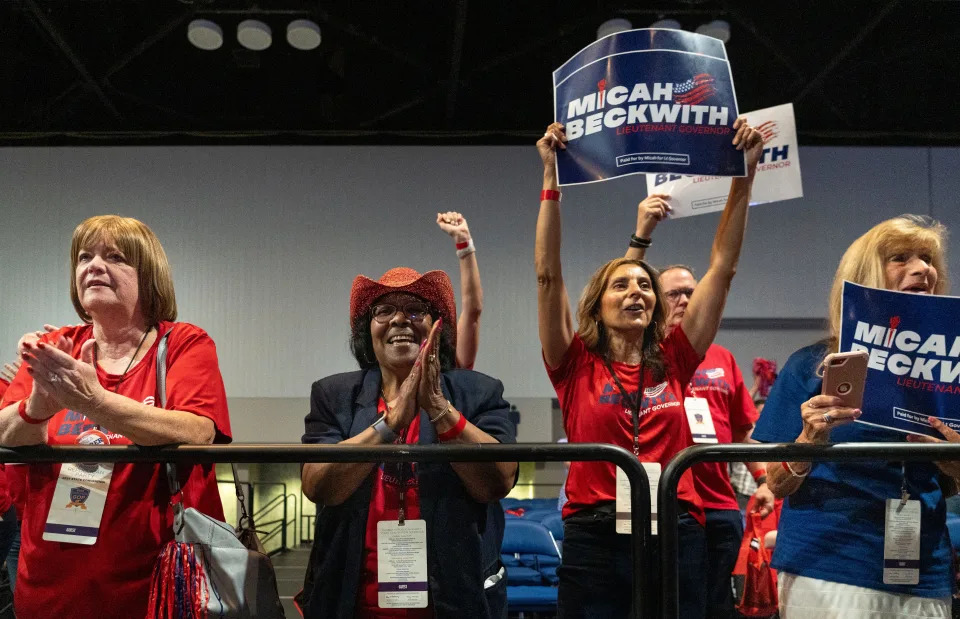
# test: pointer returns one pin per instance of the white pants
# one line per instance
(811, 598)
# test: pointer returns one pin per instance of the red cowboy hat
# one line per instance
(433, 287)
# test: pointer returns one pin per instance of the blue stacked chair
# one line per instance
(953, 526)
(531, 556)
(554, 524)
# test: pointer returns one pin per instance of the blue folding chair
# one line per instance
(528, 587)
(953, 526)
(554, 524)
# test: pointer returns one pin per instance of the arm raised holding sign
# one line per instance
(702, 318)
(623, 363)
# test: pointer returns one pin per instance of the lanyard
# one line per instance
(401, 466)
(632, 403)
(904, 493)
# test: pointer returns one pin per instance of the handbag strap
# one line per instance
(172, 481)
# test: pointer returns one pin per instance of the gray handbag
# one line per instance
(210, 569)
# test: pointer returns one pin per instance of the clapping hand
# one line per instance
(430, 395)
(9, 370)
(73, 383)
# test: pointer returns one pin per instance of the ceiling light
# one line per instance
(613, 26)
(718, 29)
(254, 34)
(303, 34)
(205, 34)
(666, 23)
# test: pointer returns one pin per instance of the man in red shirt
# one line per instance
(719, 410)
(718, 383)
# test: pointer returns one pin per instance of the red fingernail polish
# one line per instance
(41, 345)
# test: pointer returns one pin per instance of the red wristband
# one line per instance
(550, 194)
(758, 474)
(22, 411)
(463, 244)
(455, 431)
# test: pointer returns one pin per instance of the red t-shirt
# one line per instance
(17, 485)
(385, 505)
(593, 413)
(719, 381)
(3, 387)
(111, 578)
(6, 498)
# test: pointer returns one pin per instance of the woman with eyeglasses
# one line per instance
(413, 539)
(620, 379)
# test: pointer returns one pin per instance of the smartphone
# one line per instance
(844, 377)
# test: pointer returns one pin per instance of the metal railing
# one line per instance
(269, 529)
(306, 528)
(250, 453)
(667, 509)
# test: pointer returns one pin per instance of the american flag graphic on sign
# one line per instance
(695, 90)
(768, 130)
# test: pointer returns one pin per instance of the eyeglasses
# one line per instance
(674, 295)
(414, 311)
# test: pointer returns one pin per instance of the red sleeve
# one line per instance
(20, 388)
(575, 352)
(680, 355)
(194, 383)
(3, 388)
(742, 411)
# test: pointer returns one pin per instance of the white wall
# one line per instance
(265, 242)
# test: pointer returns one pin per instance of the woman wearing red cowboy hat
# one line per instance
(620, 379)
(402, 335)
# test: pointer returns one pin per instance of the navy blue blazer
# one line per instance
(463, 536)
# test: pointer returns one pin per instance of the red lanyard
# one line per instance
(633, 404)
(401, 466)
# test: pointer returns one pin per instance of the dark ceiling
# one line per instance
(454, 71)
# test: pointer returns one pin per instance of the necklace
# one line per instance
(129, 365)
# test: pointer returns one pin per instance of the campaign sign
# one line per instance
(643, 101)
(913, 343)
(778, 173)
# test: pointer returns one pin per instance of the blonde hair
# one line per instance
(592, 331)
(865, 260)
(142, 250)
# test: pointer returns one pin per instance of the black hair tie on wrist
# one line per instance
(640, 243)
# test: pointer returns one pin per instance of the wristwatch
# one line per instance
(385, 432)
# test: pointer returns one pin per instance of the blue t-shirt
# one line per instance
(831, 528)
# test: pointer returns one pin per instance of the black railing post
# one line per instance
(771, 452)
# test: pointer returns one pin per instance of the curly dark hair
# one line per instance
(361, 344)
